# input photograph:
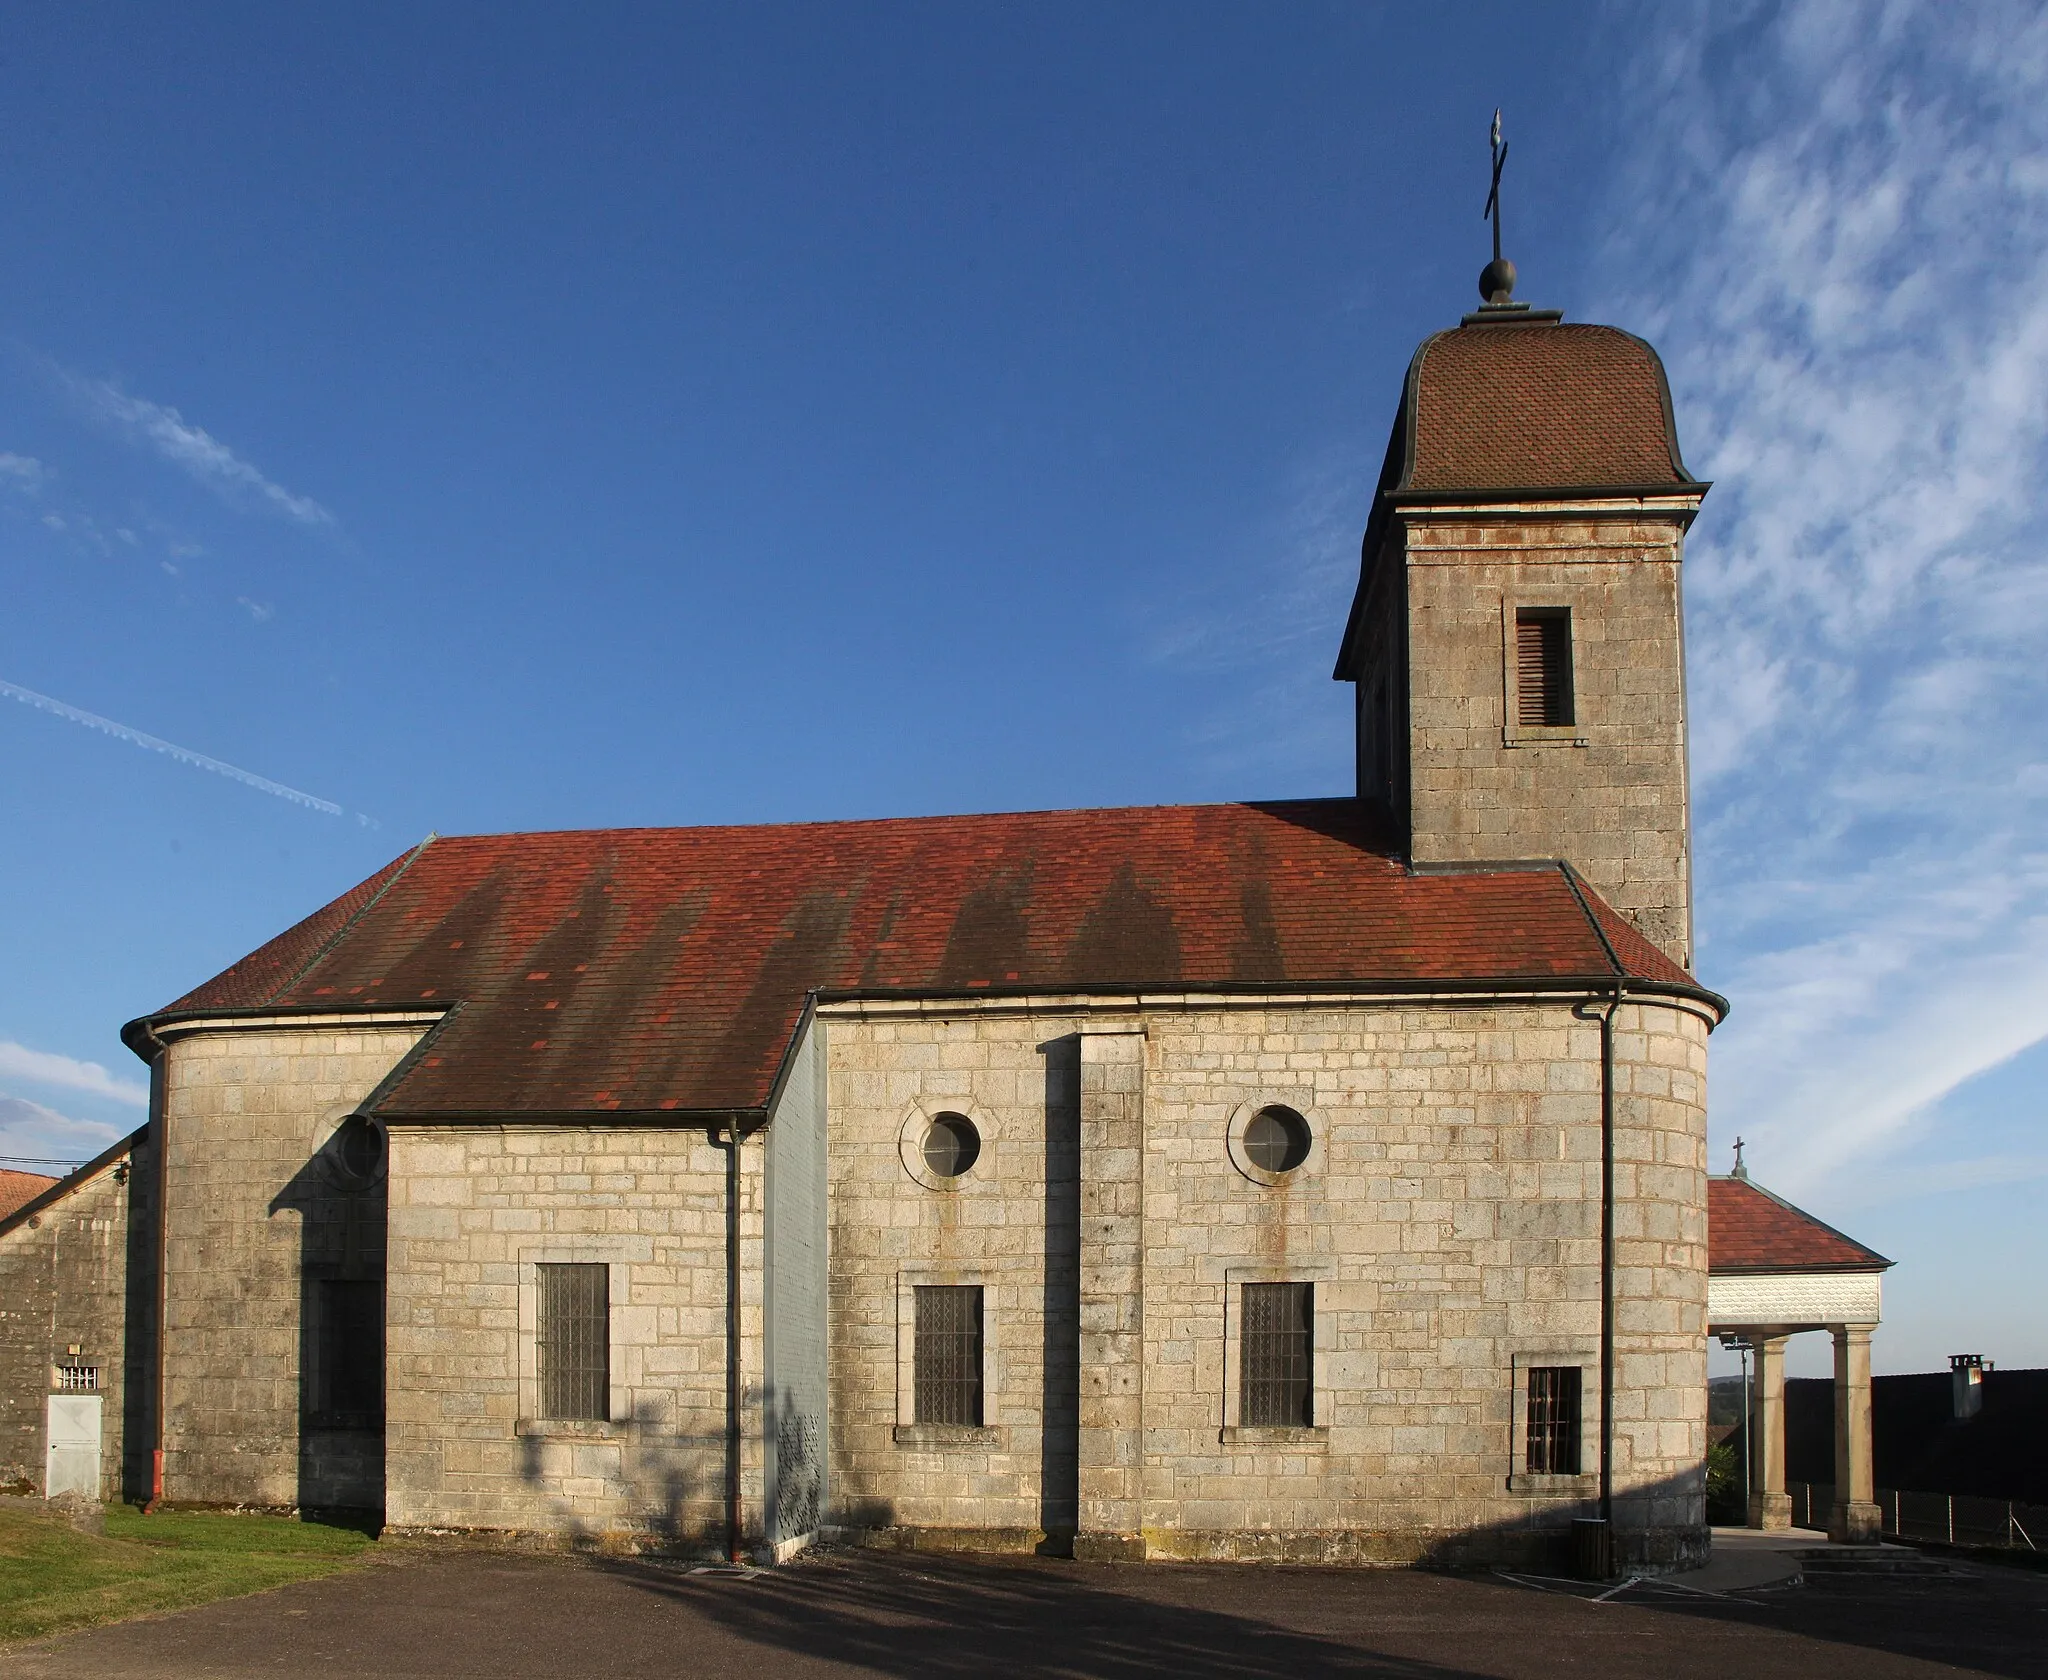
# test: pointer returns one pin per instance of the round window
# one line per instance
(359, 1146)
(951, 1145)
(1276, 1140)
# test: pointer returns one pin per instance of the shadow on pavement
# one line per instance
(925, 1615)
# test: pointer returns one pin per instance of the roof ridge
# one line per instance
(327, 945)
(1266, 806)
(1571, 878)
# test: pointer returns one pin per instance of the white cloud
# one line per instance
(1837, 222)
(185, 445)
(23, 473)
(47, 1138)
(44, 1067)
(256, 609)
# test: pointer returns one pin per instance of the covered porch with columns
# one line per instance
(1775, 1272)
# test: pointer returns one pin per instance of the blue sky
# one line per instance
(502, 417)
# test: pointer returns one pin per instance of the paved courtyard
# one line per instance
(463, 1613)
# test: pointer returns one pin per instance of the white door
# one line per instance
(74, 1434)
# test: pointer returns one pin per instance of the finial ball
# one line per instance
(1497, 281)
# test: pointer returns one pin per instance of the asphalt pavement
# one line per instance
(460, 1613)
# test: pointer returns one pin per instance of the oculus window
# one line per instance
(950, 1146)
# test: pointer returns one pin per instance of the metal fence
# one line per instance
(1948, 1519)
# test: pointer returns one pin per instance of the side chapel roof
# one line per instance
(668, 970)
(1751, 1230)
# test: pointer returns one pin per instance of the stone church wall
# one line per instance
(474, 1209)
(67, 1274)
(1448, 1219)
(256, 1214)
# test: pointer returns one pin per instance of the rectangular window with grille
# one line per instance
(78, 1379)
(348, 1352)
(575, 1342)
(1278, 1355)
(1543, 667)
(948, 1338)
(1553, 1420)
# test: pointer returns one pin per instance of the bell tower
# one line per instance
(1516, 641)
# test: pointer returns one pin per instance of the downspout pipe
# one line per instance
(161, 1147)
(1603, 1010)
(731, 1145)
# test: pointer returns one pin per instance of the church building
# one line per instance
(1321, 1180)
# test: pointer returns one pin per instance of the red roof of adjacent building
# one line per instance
(18, 1189)
(665, 970)
(1751, 1230)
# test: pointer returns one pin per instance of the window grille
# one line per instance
(1553, 1420)
(78, 1379)
(948, 1365)
(349, 1355)
(1278, 1354)
(1543, 666)
(575, 1342)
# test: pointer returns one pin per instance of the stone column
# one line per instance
(1111, 1462)
(1770, 1506)
(1855, 1518)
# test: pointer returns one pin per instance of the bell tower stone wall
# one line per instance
(1442, 736)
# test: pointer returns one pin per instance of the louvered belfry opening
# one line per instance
(1543, 667)
(948, 1373)
(1278, 1355)
(1554, 1420)
(575, 1341)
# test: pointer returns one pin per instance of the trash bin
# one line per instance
(1592, 1549)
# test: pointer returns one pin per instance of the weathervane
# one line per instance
(1497, 279)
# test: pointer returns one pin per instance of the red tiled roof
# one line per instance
(18, 1189)
(643, 970)
(1751, 1230)
(1538, 406)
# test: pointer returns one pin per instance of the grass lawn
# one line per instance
(52, 1577)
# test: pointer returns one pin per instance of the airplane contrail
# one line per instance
(184, 755)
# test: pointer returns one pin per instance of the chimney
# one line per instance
(1966, 1382)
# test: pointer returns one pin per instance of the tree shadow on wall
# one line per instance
(667, 1484)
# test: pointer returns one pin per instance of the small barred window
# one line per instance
(575, 1342)
(1554, 1420)
(78, 1379)
(1278, 1355)
(947, 1377)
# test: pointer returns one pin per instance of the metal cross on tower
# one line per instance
(1497, 280)
(1492, 211)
